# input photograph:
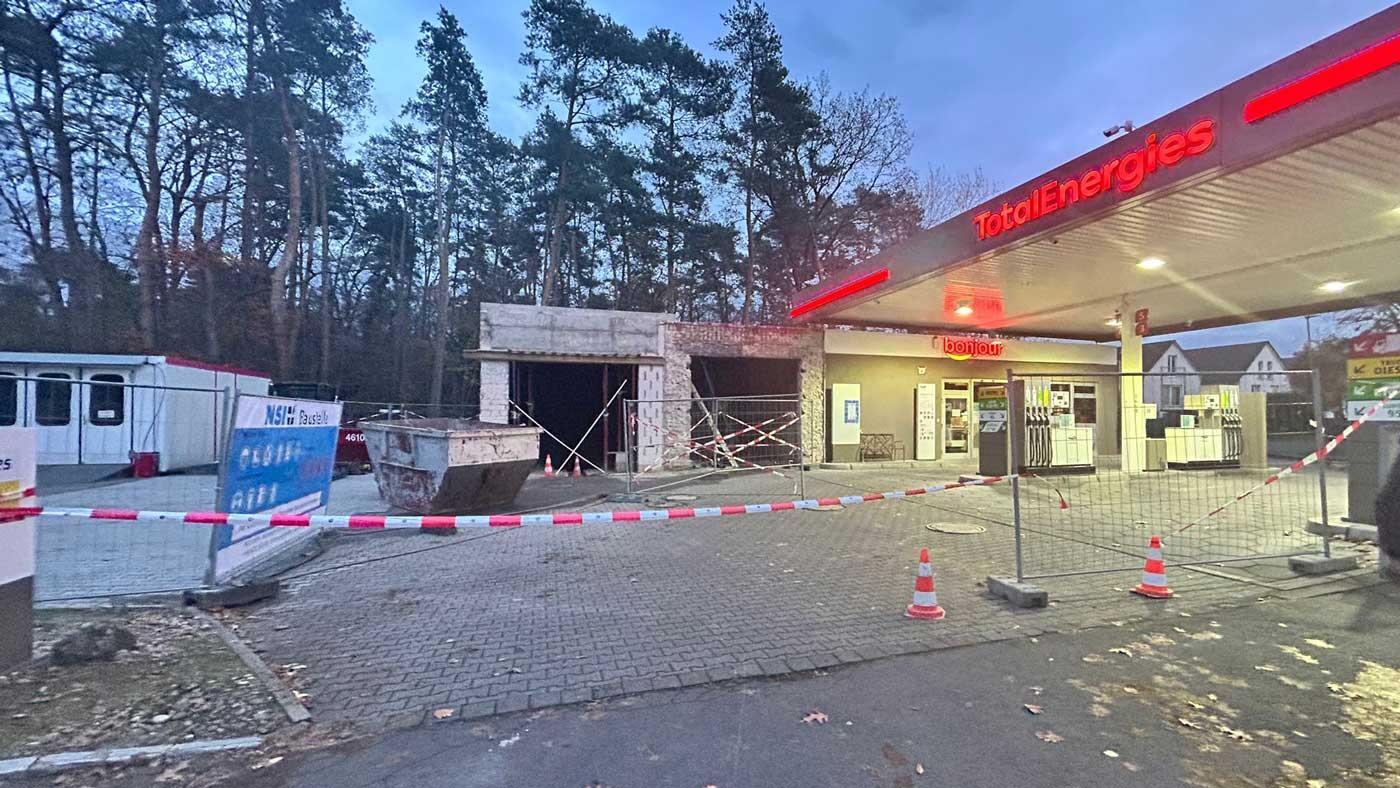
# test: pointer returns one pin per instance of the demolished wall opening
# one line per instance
(565, 398)
(716, 376)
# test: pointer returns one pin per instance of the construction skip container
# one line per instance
(450, 466)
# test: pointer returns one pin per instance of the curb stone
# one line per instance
(54, 763)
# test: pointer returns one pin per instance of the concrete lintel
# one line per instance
(1018, 594)
(1321, 565)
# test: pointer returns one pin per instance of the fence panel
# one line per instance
(713, 436)
(1099, 480)
(109, 443)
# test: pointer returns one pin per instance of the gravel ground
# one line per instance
(182, 683)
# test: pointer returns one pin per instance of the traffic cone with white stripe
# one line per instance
(1154, 573)
(925, 596)
(548, 466)
(578, 471)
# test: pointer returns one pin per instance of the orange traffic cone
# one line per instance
(925, 596)
(1154, 573)
(548, 466)
(577, 470)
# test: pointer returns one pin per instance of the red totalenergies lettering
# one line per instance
(1124, 173)
(964, 348)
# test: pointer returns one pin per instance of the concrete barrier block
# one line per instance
(1018, 594)
(1321, 565)
(1361, 533)
(233, 596)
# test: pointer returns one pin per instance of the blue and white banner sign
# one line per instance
(281, 455)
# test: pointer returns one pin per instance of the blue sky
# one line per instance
(1016, 87)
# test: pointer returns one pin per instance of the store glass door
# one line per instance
(957, 417)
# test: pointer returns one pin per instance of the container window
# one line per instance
(9, 399)
(107, 404)
(53, 400)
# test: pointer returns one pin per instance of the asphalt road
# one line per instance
(1301, 693)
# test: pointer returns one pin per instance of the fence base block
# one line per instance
(1018, 594)
(233, 596)
(1321, 564)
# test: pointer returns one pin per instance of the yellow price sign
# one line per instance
(1383, 367)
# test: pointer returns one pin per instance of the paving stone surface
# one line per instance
(489, 621)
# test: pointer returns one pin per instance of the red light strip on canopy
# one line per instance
(1352, 68)
(846, 288)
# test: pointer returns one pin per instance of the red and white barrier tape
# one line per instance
(1327, 448)
(363, 521)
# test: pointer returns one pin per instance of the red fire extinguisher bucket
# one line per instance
(145, 464)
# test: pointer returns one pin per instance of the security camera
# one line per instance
(1125, 126)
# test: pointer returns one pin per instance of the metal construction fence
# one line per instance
(710, 436)
(365, 410)
(1109, 460)
(123, 445)
(103, 441)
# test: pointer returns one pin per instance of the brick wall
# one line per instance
(725, 340)
(495, 391)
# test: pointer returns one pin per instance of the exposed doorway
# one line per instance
(568, 400)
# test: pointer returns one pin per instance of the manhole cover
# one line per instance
(956, 528)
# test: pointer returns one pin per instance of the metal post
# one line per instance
(801, 448)
(629, 410)
(1013, 445)
(226, 430)
(1320, 437)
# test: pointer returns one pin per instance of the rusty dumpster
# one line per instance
(449, 466)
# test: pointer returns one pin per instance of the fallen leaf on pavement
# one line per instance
(1092, 659)
(815, 716)
(1266, 668)
(1237, 735)
(1033, 709)
(267, 763)
(1120, 650)
(1099, 711)
(442, 714)
(1110, 753)
(1316, 643)
(1189, 723)
(1049, 736)
(1296, 653)
(918, 768)
(1131, 690)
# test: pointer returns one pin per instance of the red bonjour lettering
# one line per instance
(964, 348)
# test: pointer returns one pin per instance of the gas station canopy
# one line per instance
(1277, 195)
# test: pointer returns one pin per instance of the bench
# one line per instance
(879, 446)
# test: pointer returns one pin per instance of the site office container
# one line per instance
(155, 412)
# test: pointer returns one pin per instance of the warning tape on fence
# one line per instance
(378, 522)
(1283, 473)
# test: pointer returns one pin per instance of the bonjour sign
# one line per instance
(965, 348)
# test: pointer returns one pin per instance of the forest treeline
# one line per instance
(196, 177)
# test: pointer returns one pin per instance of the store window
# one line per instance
(53, 400)
(9, 399)
(107, 404)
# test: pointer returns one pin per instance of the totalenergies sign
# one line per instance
(1125, 173)
(967, 348)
